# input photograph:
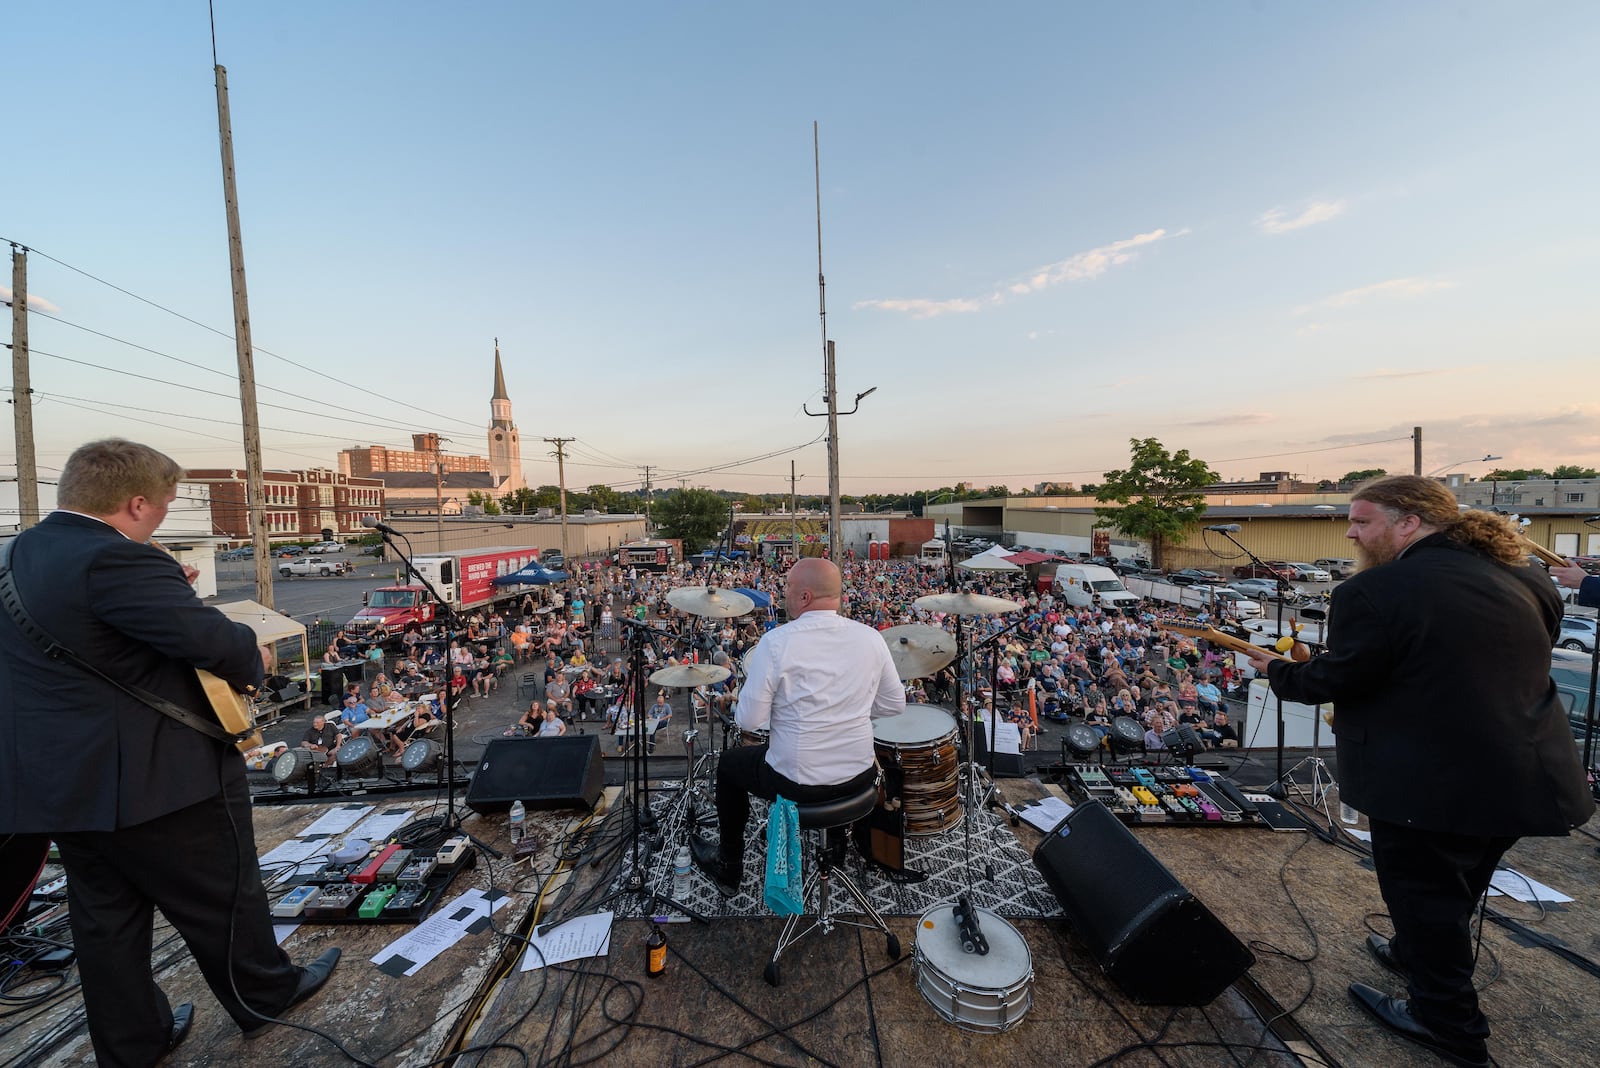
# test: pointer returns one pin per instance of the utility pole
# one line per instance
(561, 479)
(645, 472)
(794, 530)
(255, 491)
(1416, 450)
(22, 393)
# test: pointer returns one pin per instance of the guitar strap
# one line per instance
(11, 597)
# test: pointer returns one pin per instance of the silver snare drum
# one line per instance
(987, 994)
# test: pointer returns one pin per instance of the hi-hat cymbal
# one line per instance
(690, 675)
(965, 604)
(919, 650)
(711, 602)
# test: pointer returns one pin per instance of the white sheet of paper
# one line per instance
(1046, 814)
(1513, 884)
(337, 820)
(447, 926)
(585, 936)
(280, 931)
(1363, 836)
(1007, 738)
(294, 851)
(380, 825)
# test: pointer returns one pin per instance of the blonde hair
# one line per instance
(100, 477)
(1401, 495)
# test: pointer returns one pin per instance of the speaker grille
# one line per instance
(540, 772)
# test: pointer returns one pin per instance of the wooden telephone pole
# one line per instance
(255, 493)
(561, 480)
(22, 393)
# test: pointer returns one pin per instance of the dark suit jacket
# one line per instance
(77, 754)
(1589, 592)
(1446, 719)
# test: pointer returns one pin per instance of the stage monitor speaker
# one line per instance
(1150, 935)
(564, 772)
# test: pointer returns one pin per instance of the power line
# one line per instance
(230, 337)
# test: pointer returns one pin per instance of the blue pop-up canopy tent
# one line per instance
(535, 574)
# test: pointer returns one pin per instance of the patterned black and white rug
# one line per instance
(1016, 890)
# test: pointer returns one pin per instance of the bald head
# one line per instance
(813, 584)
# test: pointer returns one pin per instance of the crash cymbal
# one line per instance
(919, 650)
(690, 675)
(965, 604)
(711, 602)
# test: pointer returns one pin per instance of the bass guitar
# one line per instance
(1233, 643)
(230, 707)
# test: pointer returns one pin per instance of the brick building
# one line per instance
(372, 460)
(299, 505)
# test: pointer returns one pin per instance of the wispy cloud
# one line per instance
(1236, 419)
(1280, 221)
(1393, 289)
(1079, 267)
(36, 302)
(1385, 373)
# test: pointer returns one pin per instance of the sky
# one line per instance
(1276, 235)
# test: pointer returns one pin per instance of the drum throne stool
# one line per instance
(829, 822)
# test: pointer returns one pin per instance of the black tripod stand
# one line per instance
(642, 819)
(453, 630)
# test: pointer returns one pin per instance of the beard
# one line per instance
(1369, 557)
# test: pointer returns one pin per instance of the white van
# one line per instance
(1083, 585)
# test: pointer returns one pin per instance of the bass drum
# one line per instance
(987, 993)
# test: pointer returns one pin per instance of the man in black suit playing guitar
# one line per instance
(146, 811)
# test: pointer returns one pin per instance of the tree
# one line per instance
(695, 515)
(1160, 494)
(754, 505)
(607, 499)
(485, 501)
(527, 501)
(1574, 471)
(1363, 475)
(1515, 474)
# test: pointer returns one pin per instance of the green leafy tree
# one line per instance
(1159, 494)
(485, 501)
(754, 505)
(607, 499)
(695, 515)
(1515, 474)
(1574, 471)
(1363, 474)
(527, 501)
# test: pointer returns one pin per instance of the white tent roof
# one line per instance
(268, 625)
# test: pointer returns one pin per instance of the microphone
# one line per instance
(379, 525)
(1225, 528)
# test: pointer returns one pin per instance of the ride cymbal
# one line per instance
(919, 650)
(710, 602)
(965, 604)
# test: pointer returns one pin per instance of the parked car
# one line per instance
(1577, 632)
(244, 552)
(1136, 565)
(1340, 567)
(1243, 607)
(1265, 588)
(327, 547)
(312, 565)
(290, 550)
(1262, 571)
(552, 559)
(1191, 575)
(1308, 573)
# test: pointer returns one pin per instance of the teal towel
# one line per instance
(784, 892)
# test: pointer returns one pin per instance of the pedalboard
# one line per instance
(1174, 795)
(390, 884)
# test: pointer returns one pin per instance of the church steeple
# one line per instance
(505, 447)
(499, 376)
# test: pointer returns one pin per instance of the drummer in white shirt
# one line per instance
(816, 683)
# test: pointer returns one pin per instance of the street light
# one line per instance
(1469, 460)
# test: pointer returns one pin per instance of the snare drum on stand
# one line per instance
(921, 742)
(987, 993)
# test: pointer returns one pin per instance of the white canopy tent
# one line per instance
(272, 628)
(991, 559)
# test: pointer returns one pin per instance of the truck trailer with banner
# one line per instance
(464, 579)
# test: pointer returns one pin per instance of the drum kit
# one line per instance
(971, 965)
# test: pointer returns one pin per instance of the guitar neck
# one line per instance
(1226, 641)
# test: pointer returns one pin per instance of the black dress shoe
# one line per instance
(312, 978)
(1379, 948)
(182, 1020)
(1395, 1016)
(708, 858)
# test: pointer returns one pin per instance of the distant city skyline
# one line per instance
(1276, 236)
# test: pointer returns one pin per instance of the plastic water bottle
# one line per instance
(680, 873)
(1349, 815)
(519, 816)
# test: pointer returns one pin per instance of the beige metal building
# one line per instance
(588, 536)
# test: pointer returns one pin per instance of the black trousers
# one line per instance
(198, 866)
(1431, 882)
(743, 771)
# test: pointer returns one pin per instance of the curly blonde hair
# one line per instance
(1428, 500)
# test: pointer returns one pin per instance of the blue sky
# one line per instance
(1267, 233)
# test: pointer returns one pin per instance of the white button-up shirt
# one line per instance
(817, 682)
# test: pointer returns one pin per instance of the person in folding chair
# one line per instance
(816, 683)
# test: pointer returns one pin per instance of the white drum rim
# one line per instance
(1001, 935)
(896, 730)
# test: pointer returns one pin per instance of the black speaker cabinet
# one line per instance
(564, 772)
(1150, 935)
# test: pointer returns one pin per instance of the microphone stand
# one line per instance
(1594, 675)
(1276, 789)
(452, 618)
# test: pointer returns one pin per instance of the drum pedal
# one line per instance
(972, 940)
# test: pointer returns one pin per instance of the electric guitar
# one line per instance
(230, 707)
(22, 858)
(1224, 640)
